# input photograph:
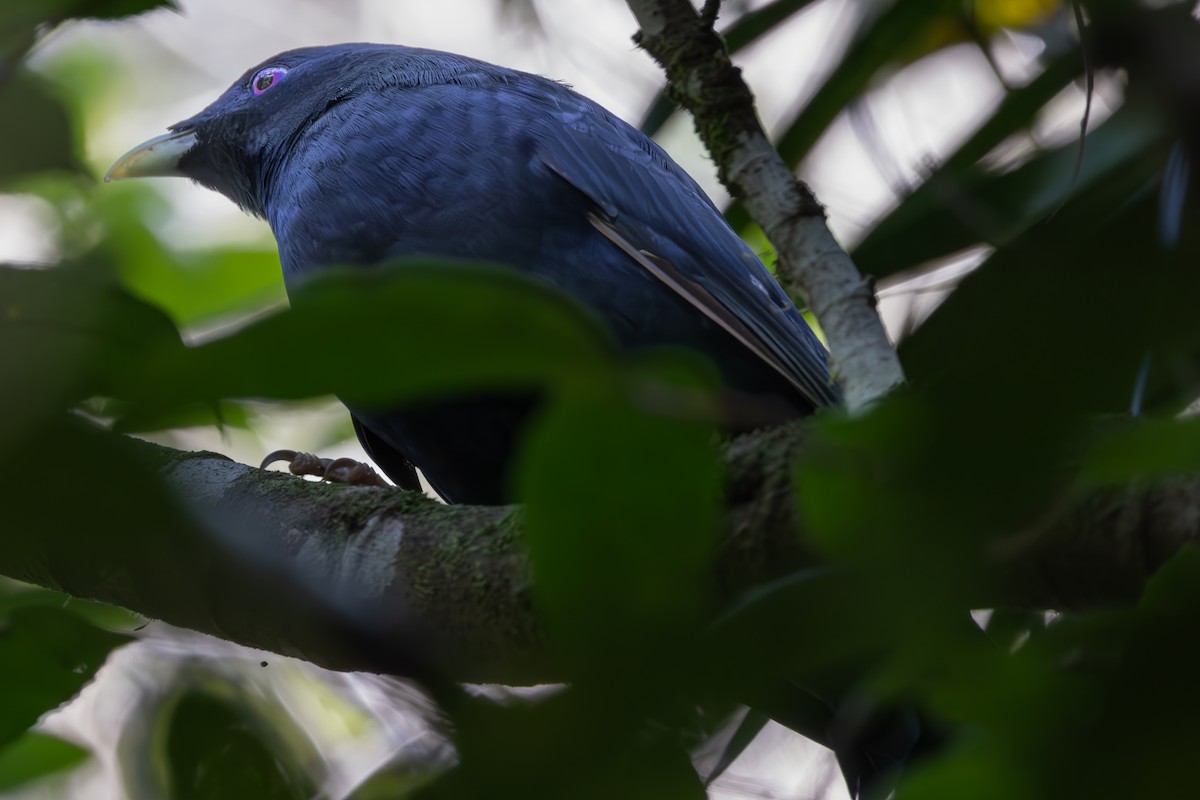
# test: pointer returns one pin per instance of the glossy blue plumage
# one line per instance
(364, 152)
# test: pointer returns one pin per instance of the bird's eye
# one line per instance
(266, 78)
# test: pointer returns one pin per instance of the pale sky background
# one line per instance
(173, 64)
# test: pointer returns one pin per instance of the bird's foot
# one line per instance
(333, 470)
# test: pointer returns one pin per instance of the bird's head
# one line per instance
(236, 144)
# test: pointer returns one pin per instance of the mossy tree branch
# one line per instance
(386, 580)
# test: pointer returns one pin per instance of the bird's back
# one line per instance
(493, 165)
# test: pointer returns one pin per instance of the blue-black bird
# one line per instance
(359, 153)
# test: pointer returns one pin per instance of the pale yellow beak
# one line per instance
(158, 157)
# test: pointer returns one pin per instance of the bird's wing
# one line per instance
(649, 208)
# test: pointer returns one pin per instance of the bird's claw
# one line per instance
(333, 470)
(354, 473)
(298, 463)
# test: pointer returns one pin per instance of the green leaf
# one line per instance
(34, 756)
(385, 335)
(805, 626)
(201, 732)
(758, 22)
(110, 618)
(215, 751)
(35, 131)
(590, 743)
(889, 37)
(1145, 448)
(46, 656)
(393, 783)
(20, 21)
(622, 492)
(79, 497)
(747, 731)
(744, 31)
(193, 286)
(955, 210)
(1009, 627)
(222, 414)
(373, 337)
(1017, 112)
(1096, 294)
(979, 768)
(886, 249)
(67, 334)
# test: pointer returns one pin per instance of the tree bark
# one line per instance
(387, 580)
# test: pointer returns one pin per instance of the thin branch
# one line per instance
(703, 80)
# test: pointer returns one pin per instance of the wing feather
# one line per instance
(699, 298)
(660, 218)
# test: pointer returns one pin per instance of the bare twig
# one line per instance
(703, 80)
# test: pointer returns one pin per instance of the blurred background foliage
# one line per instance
(1041, 285)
